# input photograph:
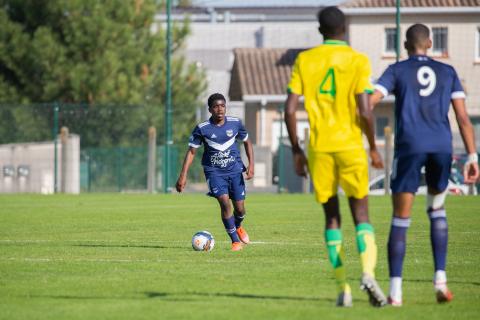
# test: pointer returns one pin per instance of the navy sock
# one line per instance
(439, 237)
(238, 219)
(397, 245)
(229, 224)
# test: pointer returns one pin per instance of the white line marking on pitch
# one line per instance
(135, 241)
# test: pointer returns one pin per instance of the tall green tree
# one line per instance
(107, 55)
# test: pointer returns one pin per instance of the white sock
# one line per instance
(396, 288)
(440, 280)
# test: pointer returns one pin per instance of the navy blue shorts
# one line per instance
(407, 173)
(233, 185)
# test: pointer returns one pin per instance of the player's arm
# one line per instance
(385, 84)
(375, 98)
(249, 151)
(368, 124)
(291, 121)
(471, 171)
(182, 178)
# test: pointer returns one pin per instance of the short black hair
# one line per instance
(417, 34)
(332, 21)
(214, 97)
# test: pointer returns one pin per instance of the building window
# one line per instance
(390, 40)
(477, 45)
(381, 123)
(476, 125)
(440, 41)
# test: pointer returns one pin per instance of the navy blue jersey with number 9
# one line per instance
(423, 90)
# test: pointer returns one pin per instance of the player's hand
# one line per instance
(181, 182)
(470, 172)
(376, 158)
(249, 173)
(301, 163)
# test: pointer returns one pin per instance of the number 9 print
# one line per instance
(426, 77)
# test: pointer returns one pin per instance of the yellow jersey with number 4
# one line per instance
(329, 76)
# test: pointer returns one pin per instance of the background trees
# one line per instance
(103, 64)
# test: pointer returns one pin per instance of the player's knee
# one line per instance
(239, 212)
(239, 209)
(224, 204)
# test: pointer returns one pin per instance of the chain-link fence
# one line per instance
(111, 156)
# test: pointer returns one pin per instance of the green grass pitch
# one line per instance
(114, 256)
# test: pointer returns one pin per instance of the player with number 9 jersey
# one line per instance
(423, 89)
(329, 76)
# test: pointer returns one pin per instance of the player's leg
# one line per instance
(237, 194)
(365, 234)
(336, 252)
(218, 187)
(353, 177)
(239, 214)
(406, 174)
(324, 178)
(397, 241)
(437, 171)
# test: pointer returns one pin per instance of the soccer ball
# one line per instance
(203, 241)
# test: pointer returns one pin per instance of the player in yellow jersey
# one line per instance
(335, 81)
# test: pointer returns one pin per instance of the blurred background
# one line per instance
(101, 96)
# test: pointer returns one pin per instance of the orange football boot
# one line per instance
(237, 246)
(243, 235)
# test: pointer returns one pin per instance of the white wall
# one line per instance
(39, 159)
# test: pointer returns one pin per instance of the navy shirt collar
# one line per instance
(419, 57)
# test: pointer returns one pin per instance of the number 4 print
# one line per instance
(328, 88)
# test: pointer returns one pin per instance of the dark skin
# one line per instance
(218, 110)
(403, 201)
(358, 207)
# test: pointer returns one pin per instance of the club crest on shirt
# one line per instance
(229, 132)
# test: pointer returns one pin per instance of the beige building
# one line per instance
(260, 75)
(247, 50)
(455, 31)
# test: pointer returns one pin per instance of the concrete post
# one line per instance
(63, 159)
(152, 159)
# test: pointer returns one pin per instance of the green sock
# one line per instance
(367, 247)
(336, 255)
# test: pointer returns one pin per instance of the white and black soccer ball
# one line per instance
(203, 241)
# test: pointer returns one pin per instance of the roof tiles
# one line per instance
(261, 71)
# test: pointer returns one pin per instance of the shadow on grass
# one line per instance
(183, 297)
(67, 297)
(130, 246)
(154, 294)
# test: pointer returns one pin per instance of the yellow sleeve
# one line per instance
(364, 74)
(295, 85)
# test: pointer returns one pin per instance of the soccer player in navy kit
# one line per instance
(423, 89)
(222, 165)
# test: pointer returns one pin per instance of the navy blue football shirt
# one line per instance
(423, 90)
(221, 155)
